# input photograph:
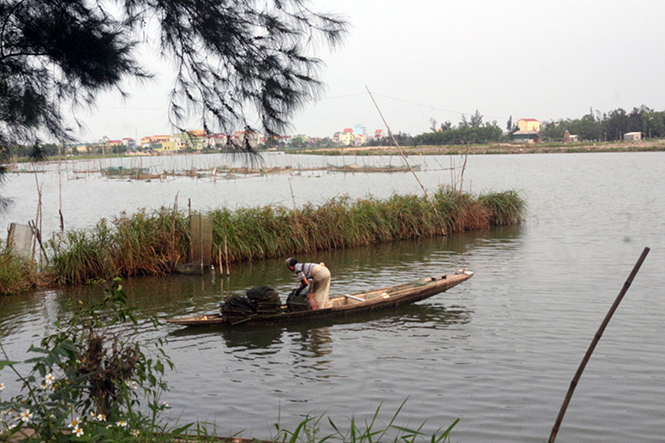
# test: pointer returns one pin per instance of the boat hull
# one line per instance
(348, 304)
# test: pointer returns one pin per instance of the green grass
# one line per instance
(311, 430)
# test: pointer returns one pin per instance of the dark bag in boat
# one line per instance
(262, 293)
(297, 302)
(265, 300)
(238, 305)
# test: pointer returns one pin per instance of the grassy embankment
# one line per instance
(648, 145)
(153, 243)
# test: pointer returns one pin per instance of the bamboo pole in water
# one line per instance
(399, 148)
(201, 239)
(594, 342)
(62, 218)
(226, 256)
(293, 197)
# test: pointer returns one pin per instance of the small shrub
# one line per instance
(17, 273)
(88, 381)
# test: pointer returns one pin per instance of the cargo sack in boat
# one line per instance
(265, 300)
(237, 305)
(297, 302)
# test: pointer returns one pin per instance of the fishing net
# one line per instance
(297, 302)
(258, 301)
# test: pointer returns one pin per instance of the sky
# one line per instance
(442, 59)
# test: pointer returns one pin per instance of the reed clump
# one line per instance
(152, 243)
(17, 273)
(139, 244)
(342, 222)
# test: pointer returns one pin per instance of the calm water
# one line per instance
(498, 351)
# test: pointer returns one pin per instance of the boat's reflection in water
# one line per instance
(314, 335)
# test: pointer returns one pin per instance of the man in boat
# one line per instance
(317, 276)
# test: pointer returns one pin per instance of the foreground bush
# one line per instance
(90, 381)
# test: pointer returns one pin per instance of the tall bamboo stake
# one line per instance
(62, 219)
(594, 342)
(226, 256)
(461, 180)
(293, 197)
(399, 148)
(201, 239)
(37, 220)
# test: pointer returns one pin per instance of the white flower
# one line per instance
(75, 423)
(2, 386)
(121, 423)
(165, 405)
(78, 431)
(133, 385)
(135, 432)
(49, 379)
(100, 417)
(26, 416)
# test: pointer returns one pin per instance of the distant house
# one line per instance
(216, 141)
(162, 143)
(567, 138)
(632, 136)
(358, 139)
(250, 138)
(129, 142)
(378, 133)
(528, 130)
(528, 125)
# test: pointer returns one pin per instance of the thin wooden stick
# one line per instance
(594, 342)
(201, 238)
(62, 219)
(226, 256)
(461, 181)
(293, 197)
(38, 236)
(399, 148)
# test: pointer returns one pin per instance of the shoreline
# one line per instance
(499, 148)
(491, 149)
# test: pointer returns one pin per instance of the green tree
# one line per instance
(299, 141)
(616, 124)
(554, 130)
(476, 119)
(230, 56)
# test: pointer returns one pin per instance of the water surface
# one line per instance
(498, 351)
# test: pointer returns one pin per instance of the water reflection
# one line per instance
(308, 349)
(314, 335)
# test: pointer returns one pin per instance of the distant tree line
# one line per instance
(471, 131)
(402, 138)
(608, 126)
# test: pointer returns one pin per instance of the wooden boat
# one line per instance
(347, 304)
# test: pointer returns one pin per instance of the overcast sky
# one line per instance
(440, 59)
